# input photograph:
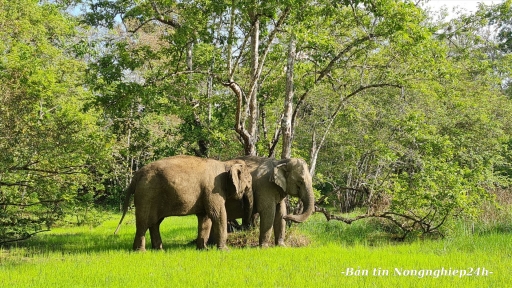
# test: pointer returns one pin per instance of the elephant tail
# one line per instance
(127, 200)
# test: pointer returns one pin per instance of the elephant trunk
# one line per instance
(248, 205)
(308, 200)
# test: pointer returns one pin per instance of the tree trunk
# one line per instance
(286, 122)
(247, 103)
(313, 155)
(250, 146)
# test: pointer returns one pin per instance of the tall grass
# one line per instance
(94, 257)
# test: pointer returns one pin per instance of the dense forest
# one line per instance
(402, 113)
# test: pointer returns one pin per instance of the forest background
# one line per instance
(402, 113)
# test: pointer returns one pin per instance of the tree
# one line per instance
(51, 150)
(369, 81)
(423, 156)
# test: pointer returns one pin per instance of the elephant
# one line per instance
(272, 181)
(186, 185)
(235, 209)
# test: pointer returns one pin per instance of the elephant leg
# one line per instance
(139, 243)
(204, 225)
(220, 226)
(280, 224)
(156, 238)
(266, 222)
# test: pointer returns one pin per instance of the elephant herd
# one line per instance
(217, 191)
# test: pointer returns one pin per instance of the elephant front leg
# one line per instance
(280, 224)
(266, 222)
(156, 238)
(204, 224)
(220, 226)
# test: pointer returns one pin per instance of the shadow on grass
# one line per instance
(93, 242)
(499, 228)
(180, 234)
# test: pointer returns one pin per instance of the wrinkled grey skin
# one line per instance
(236, 209)
(185, 185)
(272, 180)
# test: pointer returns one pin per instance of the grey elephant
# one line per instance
(272, 181)
(236, 209)
(186, 185)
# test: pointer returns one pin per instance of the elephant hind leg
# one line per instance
(156, 238)
(204, 225)
(142, 224)
(139, 243)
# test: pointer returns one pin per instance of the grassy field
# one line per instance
(335, 255)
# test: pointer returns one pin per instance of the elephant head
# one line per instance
(240, 178)
(241, 197)
(293, 176)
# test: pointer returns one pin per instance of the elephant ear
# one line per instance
(235, 172)
(279, 176)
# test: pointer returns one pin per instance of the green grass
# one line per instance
(93, 257)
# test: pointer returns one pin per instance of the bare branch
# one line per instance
(239, 57)
(405, 226)
(327, 69)
(230, 41)
(139, 26)
(239, 125)
(272, 36)
(330, 216)
(24, 237)
(31, 204)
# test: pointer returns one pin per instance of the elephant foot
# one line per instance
(157, 246)
(201, 244)
(139, 248)
(139, 243)
(280, 242)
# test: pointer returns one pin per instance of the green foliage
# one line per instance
(425, 152)
(405, 116)
(51, 150)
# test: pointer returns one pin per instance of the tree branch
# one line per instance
(330, 216)
(162, 19)
(327, 69)
(406, 228)
(272, 36)
(139, 26)
(361, 88)
(239, 125)
(19, 183)
(24, 237)
(31, 204)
